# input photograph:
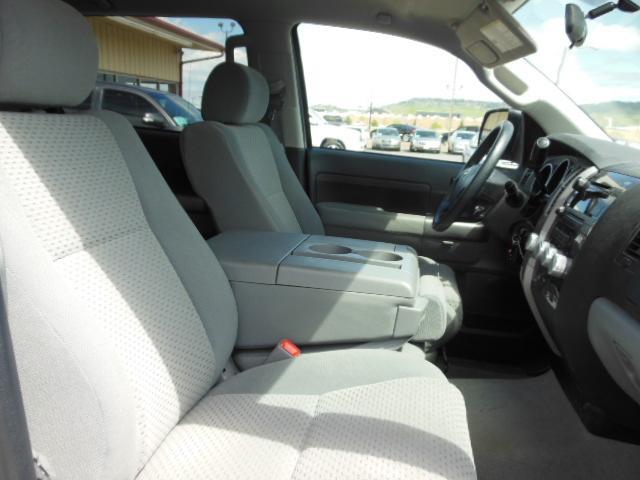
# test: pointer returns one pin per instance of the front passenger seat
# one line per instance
(240, 169)
(122, 320)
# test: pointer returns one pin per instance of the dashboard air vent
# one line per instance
(633, 249)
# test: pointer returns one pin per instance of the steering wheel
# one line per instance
(466, 185)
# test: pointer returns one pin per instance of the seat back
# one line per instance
(237, 165)
(121, 317)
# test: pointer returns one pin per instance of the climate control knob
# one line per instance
(559, 266)
(541, 251)
(549, 257)
(532, 242)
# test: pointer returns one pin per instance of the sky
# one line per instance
(351, 69)
(606, 67)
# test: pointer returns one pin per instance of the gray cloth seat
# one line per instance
(122, 319)
(240, 169)
(351, 421)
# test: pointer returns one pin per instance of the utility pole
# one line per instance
(226, 30)
(453, 93)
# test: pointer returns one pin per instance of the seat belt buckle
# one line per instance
(284, 350)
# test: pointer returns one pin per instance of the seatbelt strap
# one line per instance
(277, 93)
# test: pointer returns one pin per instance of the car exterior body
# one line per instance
(143, 107)
(339, 137)
(386, 138)
(406, 131)
(459, 140)
(426, 141)
(470, 148)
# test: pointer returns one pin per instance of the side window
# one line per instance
(382, 93)
(138, 110)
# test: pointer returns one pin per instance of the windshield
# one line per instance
(465, 135)
(182, 112)
(425, 134)
(388, 131)
(602, 76)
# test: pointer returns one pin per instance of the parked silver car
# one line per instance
(459, 140)
(426, 141)
(385, 139)
(143, 107)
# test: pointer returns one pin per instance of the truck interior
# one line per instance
(231, 300)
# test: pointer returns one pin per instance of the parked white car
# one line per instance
(426, 141)
(326, 135)
(459, 140)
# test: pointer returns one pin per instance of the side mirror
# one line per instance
(575, 25)
(491, 119)
(153, 119)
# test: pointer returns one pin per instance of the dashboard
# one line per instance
(581, 271)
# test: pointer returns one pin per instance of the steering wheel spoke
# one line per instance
(468, 183)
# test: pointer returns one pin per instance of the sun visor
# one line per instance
(492, 36)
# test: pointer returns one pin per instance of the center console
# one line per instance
(321, 290)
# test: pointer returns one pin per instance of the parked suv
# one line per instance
(144, 107)
(406, 131)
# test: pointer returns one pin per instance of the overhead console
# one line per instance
(320, 290)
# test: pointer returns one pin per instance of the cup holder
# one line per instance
(330, 249)
(382, 256)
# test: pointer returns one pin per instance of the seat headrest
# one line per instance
(235, 94)
(48, 54)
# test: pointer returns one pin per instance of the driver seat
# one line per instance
(240, 169)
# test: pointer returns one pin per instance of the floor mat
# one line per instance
(526, 429)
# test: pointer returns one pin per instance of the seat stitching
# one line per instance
(102, 241)
(305, 438)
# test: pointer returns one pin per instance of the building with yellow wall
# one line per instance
(145, 51)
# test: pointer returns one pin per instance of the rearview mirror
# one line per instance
(575, 25)
(153, 119)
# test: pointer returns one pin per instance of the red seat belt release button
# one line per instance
(291, 348)
(285, 349)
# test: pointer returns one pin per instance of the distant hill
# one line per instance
(622, 113)
(441, 106)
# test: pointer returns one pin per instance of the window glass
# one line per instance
(182, 112)
(161, 54)
(602, 75)
(197, 64)
(131, 105)
(361, 82)
(426, 134)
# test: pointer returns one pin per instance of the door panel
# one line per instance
(391, 198)
(396, 183)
